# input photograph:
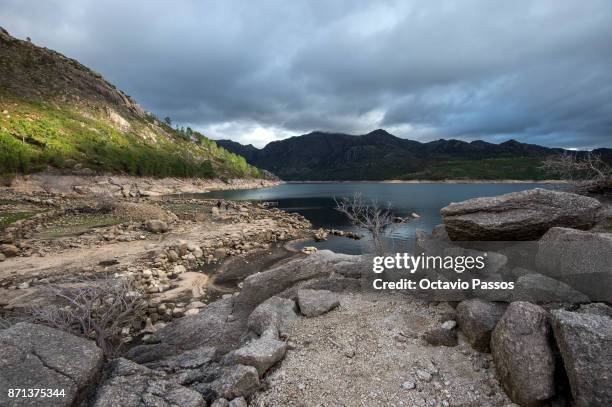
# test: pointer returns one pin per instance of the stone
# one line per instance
(309, 250)
(524, 215)
(179, 269)
(196, 304)
(450, 324)
(313, 303)
(596, 308)
(2, 257)
(539, 288)
(36, 356)
(220, 403)
(408, 385)
(220, 253)
(424, 375)
(260, 353)
(238, 402)
(192, 312)
(190, 359)
(578, 258)
(521, 350)
(274, 316)
(9, 250)
(477, 319)
(441, 336)
(236, 381)
(585, 344)
(129, 384)
(149, 327)
(156, 226)
(198, 253)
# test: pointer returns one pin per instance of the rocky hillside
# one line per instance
(55, 112)
(379, 155)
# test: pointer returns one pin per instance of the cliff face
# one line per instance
(57, 112)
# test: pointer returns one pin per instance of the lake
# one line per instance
(315, 201)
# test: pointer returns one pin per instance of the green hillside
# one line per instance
(55, 112)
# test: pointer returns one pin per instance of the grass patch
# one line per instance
(74, 225)
(6, 218)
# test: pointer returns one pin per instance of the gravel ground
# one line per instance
(368, 352)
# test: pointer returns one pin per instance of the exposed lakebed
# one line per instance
(315, 201)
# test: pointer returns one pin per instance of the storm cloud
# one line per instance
(257, 71)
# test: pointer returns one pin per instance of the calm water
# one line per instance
(315, 201)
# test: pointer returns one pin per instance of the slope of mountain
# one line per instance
(55, 112)
(379, 155)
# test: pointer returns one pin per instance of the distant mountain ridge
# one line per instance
(56, 112)
(379, 155)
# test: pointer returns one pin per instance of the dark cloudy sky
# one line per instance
(256, 71)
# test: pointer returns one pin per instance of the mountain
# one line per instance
(378, 155)
(55, 112)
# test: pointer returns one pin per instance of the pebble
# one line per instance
(408, 385)
(424, 375)
(449, 325)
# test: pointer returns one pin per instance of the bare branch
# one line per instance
(93, 309)
(588, 173)
(371, 216)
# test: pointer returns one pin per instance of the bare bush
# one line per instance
(96, 309)
(371, 215)
(588, 173)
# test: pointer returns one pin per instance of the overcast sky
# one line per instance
(257, 71)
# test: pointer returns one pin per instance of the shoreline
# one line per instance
(126, 186)
(446, 181)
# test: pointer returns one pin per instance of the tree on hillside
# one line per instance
(168, 121)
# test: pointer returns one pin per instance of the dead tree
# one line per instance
(370, 215)
(93, 309)
(588, 173)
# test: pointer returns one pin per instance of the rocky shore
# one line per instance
(125, 186)
(309, 330)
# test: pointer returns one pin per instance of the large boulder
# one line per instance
(273, 317)
(477, 319)
(535, 287)
(9, 250)
(596, 308)
(520, 346)
(444, 335)
(316, 302)
(156, 226)
(131, 385)
(585, 343)
(578, 258)
(194, 365)
(236, 381)
(524, 215)
(39, 357)
(260, 353)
